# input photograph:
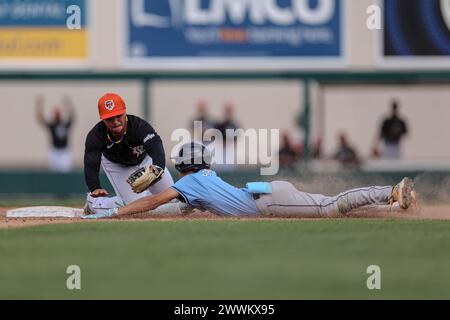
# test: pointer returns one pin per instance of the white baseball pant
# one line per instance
(60, 160)
(118, 175)
(285, 199)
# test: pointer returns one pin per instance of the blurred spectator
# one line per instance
(375, 153)
(59, 157)
(228, 121)
(289, 153)
(229, 145)
(316, 150)
(345, 154)
(392, 130)
(203, 117)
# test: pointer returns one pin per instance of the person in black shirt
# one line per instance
(59, 157)
(121, 144)
(392, 131)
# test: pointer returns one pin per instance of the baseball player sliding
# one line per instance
(201, 188)
(126, 147)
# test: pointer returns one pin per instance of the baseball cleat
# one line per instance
(404, 193)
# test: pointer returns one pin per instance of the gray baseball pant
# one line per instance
(286, 200)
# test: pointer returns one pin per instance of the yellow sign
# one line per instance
(43, 43)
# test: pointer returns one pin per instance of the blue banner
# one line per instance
(228, 28)
(38, 13)
(54, 30)
(416, 28)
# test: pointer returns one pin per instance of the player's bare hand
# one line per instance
(99, 193)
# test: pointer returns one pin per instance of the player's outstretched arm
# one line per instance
(141, 205)
(149, 203)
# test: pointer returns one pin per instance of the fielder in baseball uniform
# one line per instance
(121, 144)
(201, 188)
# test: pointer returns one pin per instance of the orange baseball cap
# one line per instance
(111, 105)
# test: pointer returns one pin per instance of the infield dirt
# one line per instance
(430, 212)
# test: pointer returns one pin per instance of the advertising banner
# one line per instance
(242, 34)
(416, 33)
(36, 30)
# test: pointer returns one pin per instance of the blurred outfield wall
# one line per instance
(356, 110)
(277, 103)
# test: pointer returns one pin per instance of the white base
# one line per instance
(45, 212)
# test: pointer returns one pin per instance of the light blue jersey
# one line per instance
(206, 191)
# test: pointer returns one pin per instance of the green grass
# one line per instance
(319, 259)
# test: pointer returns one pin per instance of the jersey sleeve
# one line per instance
(152, 143)
(92, 160)
(185, 187)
